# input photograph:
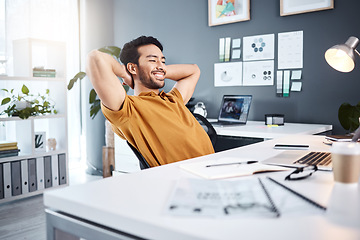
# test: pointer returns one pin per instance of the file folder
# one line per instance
(1, 182)
(55, 170)
(24, 176)
(62, 168)
(40, 173)
(15, 178)
(32, 174)
(7, 179)
(47, 172)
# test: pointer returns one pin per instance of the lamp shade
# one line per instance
(342, 57)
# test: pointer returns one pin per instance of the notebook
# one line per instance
(298, 158)
(234, 109)
(227, 168)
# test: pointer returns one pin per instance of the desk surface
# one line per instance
(134, 203)
(258, 129)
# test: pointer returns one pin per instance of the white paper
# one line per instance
(296, 74)
(221, 49)
(279, 82)
(236, 54)
(204, 198)
(290, 50)
(258, 73)
(236, 43)
(286, 85)
(296, 86)
(228, 74)
(258, 47)
(227, 49)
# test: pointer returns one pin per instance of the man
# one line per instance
(158, 124)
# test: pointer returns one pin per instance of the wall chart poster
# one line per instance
(260, 47)
(258, 73)
(290, 50)
(228, 74)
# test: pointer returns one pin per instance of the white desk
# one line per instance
(125, 160)
(258, 129)
(134, 204)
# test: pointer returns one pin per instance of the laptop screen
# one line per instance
(235, 108)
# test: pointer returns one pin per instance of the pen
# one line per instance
(299, 195)
(224, 164)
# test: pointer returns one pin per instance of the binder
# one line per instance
(1, 182)
(47, 172)
(7, 179)
(15, 178)
(55, 170)
(62, 168)
(40, 173)
(24, 176)
(32, 174)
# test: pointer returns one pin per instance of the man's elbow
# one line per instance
(197, 71)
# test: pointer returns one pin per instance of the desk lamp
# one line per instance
(342, 58)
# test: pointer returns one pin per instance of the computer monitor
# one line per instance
(235, 109)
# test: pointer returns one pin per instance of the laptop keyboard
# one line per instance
(315, 158)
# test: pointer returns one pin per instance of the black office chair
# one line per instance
(207, 127)
(142, 162)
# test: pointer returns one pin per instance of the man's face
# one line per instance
(152, 68)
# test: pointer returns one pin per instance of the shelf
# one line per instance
(45, 79)
(17, 172)
(23, 156)
(3, 118)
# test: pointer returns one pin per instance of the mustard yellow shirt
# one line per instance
(160, 126)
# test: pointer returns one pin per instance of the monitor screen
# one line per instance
(235, 108)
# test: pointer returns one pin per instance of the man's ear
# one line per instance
(131, 67)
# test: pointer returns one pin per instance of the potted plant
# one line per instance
(349, 116)
(25, 104)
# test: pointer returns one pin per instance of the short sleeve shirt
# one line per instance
(160, 126)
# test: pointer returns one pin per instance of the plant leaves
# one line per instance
(95, 108)
(92, 96)
(112, 50)
(349, 116)
(5, 101)
(78, 76)
(25, 90)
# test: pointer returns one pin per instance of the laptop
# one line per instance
(234, 109)
(300, 158)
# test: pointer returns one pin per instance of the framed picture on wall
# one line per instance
(290, 7)
(228, 11)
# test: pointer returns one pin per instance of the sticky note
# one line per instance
(236, 43)
(296, 74)
(296, 86)
(236, 53)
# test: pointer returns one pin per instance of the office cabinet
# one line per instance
(34, 170)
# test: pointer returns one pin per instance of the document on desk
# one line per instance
(221, 198)
(228, 167)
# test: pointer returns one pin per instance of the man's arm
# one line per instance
(186, 77)
(103, 71)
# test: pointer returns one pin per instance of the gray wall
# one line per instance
(182, 27)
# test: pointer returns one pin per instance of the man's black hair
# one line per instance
(129, 52)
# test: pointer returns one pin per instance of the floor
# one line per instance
(25, 219)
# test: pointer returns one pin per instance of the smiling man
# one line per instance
(156, 123)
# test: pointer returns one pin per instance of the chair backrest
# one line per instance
(207, 127)
(142, 162)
